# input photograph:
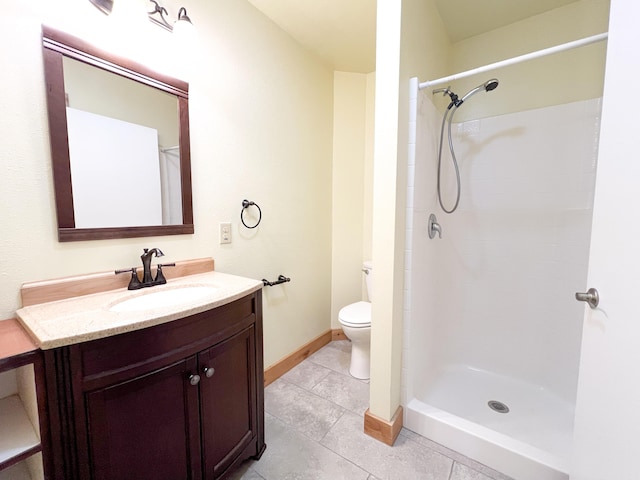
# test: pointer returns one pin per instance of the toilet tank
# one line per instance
(367, 268)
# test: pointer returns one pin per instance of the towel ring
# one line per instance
(246, 204)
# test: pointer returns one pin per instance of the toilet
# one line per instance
(355, 320)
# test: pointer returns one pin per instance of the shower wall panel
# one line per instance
(497, 292)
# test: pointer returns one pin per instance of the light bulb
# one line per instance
(183, 29)
(184, 34)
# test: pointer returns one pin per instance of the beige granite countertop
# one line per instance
(88, 317)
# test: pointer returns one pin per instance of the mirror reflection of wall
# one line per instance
(123, 140)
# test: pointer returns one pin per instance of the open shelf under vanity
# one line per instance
(21, 367)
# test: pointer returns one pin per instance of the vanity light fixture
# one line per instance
(160, 11)
(157, 15)
(104, 5)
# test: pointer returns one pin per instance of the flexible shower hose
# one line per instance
(449, 113)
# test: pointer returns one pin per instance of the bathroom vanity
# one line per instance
(172, 391)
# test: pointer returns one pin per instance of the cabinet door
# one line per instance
(228, 401)
(147, 427)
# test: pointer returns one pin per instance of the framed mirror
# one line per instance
(119, 136)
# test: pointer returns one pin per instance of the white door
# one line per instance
(607, 429)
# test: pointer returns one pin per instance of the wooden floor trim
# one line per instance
(282, 366)
(383, 430)
(338, 334)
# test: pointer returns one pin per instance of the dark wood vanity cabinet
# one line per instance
(181, 400)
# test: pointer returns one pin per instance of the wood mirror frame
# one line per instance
(57, 45)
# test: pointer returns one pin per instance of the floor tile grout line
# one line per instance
(320, 444)
(345, 410)
(314, 394)
(415, 439)
(338, 453)
(327, 447)
(453, 462)
(320, 396)
(318, 441)
(455, 457)
(303, 387)
(328, 368)
(464, 461)
(420, 445)
(468, 464)
(372, 474)
(347, 375)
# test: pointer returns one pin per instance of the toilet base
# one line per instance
(360, 361)
(360, 336)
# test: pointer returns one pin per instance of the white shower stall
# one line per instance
(490, 313)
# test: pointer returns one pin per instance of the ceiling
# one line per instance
(343, 32)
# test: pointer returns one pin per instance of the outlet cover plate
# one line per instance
(225, 232)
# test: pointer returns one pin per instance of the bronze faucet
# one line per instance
(147, 278)
(146, 263)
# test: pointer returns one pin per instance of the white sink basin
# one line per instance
(163, 298)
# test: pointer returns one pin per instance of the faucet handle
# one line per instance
(160, 279)
(134, 283)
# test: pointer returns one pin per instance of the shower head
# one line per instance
(491, 84)
(487, 87)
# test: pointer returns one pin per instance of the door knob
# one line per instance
(591, 297)
(209, 371)
(194, 379)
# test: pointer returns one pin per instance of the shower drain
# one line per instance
(497, 406)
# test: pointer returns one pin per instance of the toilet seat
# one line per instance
(356, 315)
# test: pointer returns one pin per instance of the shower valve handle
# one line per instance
(591, 297)
(434, 227)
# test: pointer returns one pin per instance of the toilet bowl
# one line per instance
(355, 320)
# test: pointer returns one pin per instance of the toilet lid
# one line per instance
(357, 315)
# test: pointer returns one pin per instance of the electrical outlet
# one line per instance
(225, 232)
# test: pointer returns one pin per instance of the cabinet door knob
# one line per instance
(194, 379)
(209, 371)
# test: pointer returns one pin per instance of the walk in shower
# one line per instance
(492, 328)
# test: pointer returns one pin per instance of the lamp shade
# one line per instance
(183, 26)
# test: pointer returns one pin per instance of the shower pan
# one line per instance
(492, 327)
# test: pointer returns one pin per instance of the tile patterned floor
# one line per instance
(313, 422)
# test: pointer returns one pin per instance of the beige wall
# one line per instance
(577, 74)
(261, 128)
(410, 42)
(352, 192)
(368, 171)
